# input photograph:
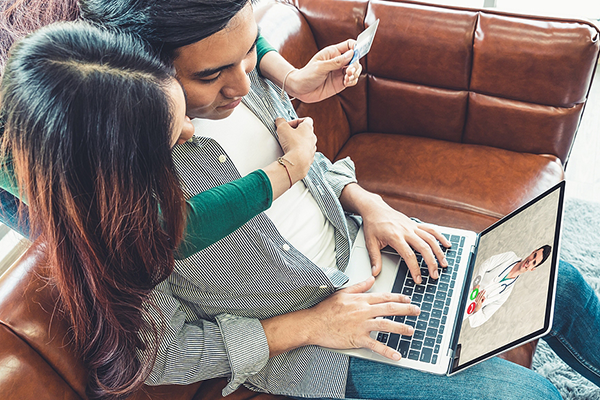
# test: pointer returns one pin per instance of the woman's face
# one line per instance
(183, 130)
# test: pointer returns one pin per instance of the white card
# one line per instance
(363, 42)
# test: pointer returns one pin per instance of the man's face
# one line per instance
(214, 71)
(532, 261)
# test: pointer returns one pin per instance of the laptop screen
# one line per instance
(510, 297)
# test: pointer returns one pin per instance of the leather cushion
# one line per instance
(449, 183)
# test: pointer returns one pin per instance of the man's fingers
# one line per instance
(392, 300)
(391, 309)
(434, 232)
(409, 257)
(380, 348)
(375, 257)
(360, 287)
(387, 325)
(427, 245)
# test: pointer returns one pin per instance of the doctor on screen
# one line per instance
(495, 281)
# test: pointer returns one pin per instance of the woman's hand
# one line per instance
(299, 144)
(326, 74)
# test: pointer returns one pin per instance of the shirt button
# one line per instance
(323, 287)
(286, 247)
(222, 158)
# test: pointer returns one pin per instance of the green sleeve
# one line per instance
(215, 213)
(8, 180)
(262, 48)
(211, 215)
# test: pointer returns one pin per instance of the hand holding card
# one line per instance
(363, 42)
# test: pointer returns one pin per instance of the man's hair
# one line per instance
(88, 125)
(546, 249)
(166, 24)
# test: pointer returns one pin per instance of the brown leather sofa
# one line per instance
(459, 117)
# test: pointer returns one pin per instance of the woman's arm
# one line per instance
(215, 213)
(326, 74)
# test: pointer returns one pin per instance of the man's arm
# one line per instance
(192, 351)
(385, 226)
(342, 321)
(238, 347)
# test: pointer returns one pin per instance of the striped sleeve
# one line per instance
(338, 174)
(192, 351)
(247, 348)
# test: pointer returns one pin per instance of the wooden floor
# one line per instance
(583, 167)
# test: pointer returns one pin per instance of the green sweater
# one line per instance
(211, 215)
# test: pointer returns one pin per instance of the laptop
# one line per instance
(496, 293)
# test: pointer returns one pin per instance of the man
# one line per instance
(495, 281)
(253, 307)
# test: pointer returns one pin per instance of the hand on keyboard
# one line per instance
(345, 319)
(385, 226)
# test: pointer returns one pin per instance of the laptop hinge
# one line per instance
(456, 356)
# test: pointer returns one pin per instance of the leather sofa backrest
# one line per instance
(481, 77)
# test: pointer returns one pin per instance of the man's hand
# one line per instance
(326, 74)
(346, 318)
(385, 226)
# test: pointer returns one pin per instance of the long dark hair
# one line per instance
(88, 124)
(18, 18)
(166, 25)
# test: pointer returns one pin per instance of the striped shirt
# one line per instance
(214, 300)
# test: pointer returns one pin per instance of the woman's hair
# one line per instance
(166, 25)
(18, 18)
(88, 124)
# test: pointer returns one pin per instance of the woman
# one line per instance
(90, 118)
(320, 78)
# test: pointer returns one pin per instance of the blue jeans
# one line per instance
(576, 321)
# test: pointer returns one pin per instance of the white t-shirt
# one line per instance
(295, 213)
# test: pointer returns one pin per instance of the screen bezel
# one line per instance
(457, 366)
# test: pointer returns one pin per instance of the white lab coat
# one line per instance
(491, 273)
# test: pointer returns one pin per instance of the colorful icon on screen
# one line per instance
(474, 294)
(471, 308)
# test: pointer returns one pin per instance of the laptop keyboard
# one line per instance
(433, 296)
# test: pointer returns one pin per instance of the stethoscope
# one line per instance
(505, 285)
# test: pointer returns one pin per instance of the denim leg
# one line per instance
(492, 379)
(9, 213)
(576, 323)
